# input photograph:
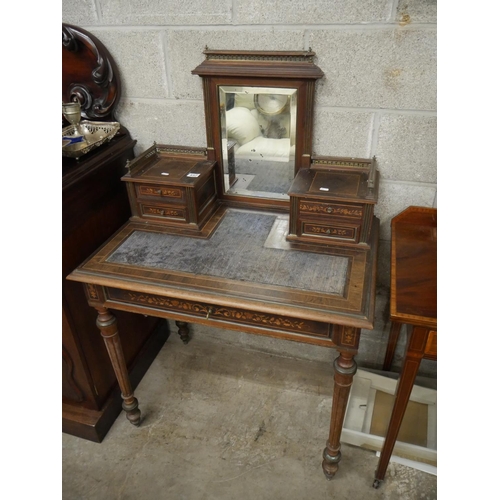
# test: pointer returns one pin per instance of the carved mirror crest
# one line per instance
(259, 113)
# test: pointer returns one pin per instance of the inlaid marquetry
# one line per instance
(348, 233)
(159, 211)
(222, 313)
(160, 191)
(331, 209)
(94, 293)
(348, 335)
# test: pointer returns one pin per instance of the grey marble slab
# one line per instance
(237, 251)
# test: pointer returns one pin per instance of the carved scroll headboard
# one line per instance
(89, 74)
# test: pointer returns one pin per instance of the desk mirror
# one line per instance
(259, 112)
(258, 133)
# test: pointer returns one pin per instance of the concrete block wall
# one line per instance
(378, 95)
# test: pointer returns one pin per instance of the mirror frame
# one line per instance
(279, 69)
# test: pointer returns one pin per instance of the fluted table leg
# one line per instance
(107, 324)
(345, 368)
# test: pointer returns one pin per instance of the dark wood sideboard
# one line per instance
(94, 206)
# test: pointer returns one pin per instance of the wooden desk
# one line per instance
(245, 277)
(413, 302)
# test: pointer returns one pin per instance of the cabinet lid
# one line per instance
(338, 184)
(162, 166)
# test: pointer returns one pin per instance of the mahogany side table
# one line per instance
(414, 303)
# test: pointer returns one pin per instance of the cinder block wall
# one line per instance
(378, 95)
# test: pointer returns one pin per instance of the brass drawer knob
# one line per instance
(210, 311)
(329, 210)
(158, 191)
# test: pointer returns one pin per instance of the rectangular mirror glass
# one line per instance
(258, 135)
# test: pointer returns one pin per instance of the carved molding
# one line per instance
(69, 382)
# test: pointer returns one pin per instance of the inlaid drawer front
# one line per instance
(173, 194)
(331, 231)
(334, 209)
(222, 313)
(163, 212)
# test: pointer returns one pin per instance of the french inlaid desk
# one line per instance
(241, 275)
(414, 303)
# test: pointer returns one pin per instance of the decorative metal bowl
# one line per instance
(78, 140)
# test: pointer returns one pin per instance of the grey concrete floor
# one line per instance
(228, 422)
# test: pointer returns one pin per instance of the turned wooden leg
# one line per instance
(391, 345)
(345, 368)
(107, 324)
(414, 353)
(183, 331)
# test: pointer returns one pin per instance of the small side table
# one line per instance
(414, 303)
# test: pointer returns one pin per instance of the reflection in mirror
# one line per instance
(258, 132)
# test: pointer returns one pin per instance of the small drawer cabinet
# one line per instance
(173, 186)
(332, 202)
